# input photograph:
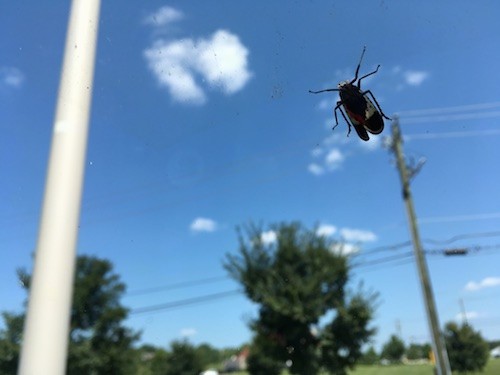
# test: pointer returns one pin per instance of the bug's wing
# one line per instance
(374, 122)
(357, 122)
(360, 129)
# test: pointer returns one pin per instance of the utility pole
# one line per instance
(46, 328)
(399, 331)
(439, 348)
(464, 312)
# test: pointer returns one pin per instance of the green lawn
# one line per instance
(492, 368)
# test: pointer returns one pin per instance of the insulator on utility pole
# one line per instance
(452, 252)
(439, 348)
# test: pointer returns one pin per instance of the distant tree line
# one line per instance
(467, 350)
(308, 320)
(100, 343)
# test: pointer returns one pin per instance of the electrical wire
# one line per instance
(460, 108)
(180, 285)
(383, 260)
(184, 302)
(462, 237)
(403, 259)
(242, 164)
(376, 250)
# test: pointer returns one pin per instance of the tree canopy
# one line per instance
(99, 342)
(307, 320)
(467, 350)
(417, 351)
(394, 349)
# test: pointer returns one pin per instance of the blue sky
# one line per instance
(202, 121)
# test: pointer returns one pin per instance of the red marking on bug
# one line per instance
(356, 116)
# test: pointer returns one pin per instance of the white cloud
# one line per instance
(11, 77)
(328, 103)
(374, 144)
(415, 78)
(187, 332)
(487, 282)
(400, 79)
(335, 138)
(221, 61)
(318, 151)
(316, 169)
(202, 224)
(469, 315)
(344, 248)
(331, 153)
(163, 16)
(357, 235)
(268, 237)
(326, 230)
(396, 69)
(334, 159)
(170, 64)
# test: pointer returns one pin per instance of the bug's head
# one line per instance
(343, 84)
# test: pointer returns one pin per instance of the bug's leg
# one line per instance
(339, 103)
(359, 65)
(345, 118)
(367, 75)
(378, 105)
(317, 92)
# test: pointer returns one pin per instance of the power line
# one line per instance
(385, 248)
(241, 164)
(383, 260)
(460, 108)
(381, 249)
(180, 285)
(463, 116)
(466, 250)
(474, 133)
(184, 302)
(405, 258)
(462, 237)
(441, 219)
(376, 250)
(403, 262)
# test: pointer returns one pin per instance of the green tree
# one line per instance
(259, 361)
(394, 349)
(417, 351)
(159, 363)
(183, 359)
(208, 355)
(296, 281)
(467, 350)
(370, 357)
(10, 339)
(99, 342)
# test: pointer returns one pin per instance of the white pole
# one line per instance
(46, 329)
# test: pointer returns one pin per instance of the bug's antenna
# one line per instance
(317, 92)
(359, 65)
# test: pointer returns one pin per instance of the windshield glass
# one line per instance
(221, 150)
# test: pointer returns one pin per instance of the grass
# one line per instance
(492, 368)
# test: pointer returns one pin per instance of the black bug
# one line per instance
(361, 112)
